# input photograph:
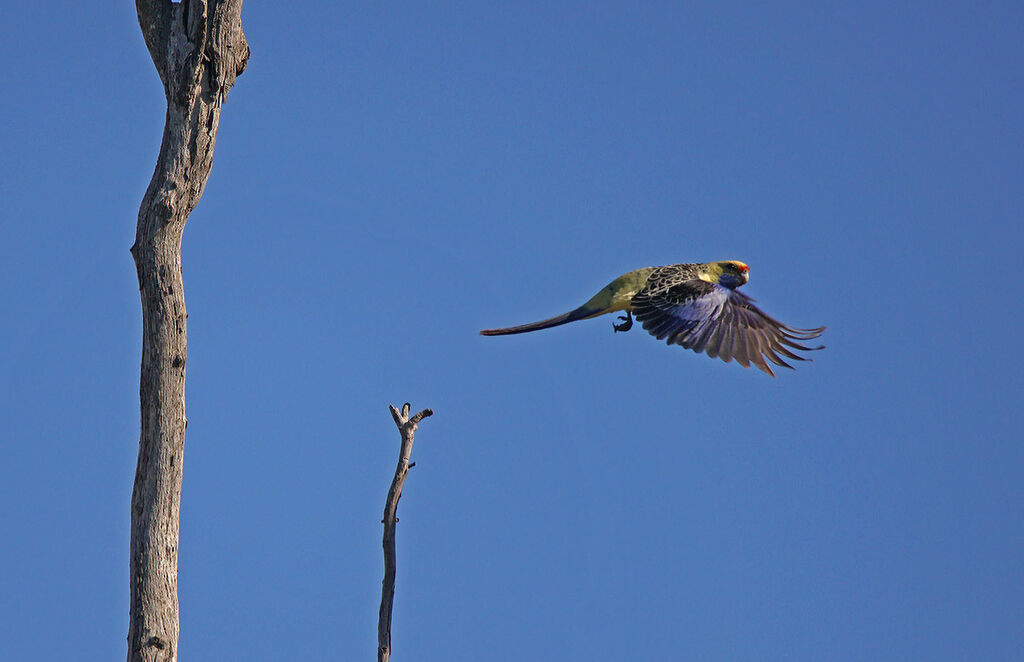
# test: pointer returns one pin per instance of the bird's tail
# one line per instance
(583, 312)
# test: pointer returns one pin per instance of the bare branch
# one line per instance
(420, 416)
(176, 35)
(399, 417)
(155, 21)
(407, 429)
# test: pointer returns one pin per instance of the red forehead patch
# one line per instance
(743, 268)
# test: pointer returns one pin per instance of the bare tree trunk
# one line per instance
(198, 48)
(407, 428)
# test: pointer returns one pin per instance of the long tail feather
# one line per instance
(580, 313)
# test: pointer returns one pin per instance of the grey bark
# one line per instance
(199, 49)
(407, 429)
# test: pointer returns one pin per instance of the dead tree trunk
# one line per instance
(198, 48)
(407, 428)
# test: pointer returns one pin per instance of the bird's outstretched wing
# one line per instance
(720, 322)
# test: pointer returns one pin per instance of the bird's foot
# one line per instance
(627, 323)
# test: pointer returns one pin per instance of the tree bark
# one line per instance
(199, 49)
(407, 428)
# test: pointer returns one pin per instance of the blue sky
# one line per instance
(390, 179)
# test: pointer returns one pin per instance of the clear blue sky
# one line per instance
(388, 180)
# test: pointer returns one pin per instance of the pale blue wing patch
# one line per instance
(723, 323)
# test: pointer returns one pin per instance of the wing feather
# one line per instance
(722, 323)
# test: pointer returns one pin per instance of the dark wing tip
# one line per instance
(762, 365)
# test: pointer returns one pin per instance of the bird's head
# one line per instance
(728, 273)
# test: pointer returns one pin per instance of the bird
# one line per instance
(697, 306)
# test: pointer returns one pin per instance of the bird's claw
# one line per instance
(627, 323)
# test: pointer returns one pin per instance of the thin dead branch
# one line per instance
(407, 428)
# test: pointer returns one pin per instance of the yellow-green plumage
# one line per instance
(696, 306)
(614, 297)
(618, 295)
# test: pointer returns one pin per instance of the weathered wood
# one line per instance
(407, 428)
(199, 49)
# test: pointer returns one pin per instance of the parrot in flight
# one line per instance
(696, 306)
